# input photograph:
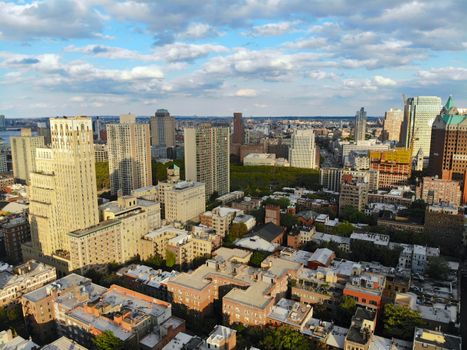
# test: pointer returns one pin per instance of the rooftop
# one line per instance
(437, 339)
(61, 284)
(290, 312)
(64, 343)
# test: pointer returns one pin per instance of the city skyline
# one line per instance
(260, 58)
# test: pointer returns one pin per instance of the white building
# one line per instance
(302, 151)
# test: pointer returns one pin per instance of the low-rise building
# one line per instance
(147, 280)
(290, 313)
(268, 238)
(185, 245)
(230, 197)
(8, 341)
(366, 289)
(222, 338)
(14, 282)
(264, 159)
(434, 340)
(219, 219)
(361, 330)
(299, 236)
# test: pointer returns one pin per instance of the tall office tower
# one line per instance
(2, 122)
(62, 191)
(129, 152)
(360, 125)
(419, 114)
(23, 154)
(448, 154)
(98, 126)
(238, 135)
(162, 129)
(392, 124)
(3, 158)
(302, 151)
(207, 152)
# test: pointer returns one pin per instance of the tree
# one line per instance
(257, 258)
(108, 341)
(285, 338)
(156, 261)
(348, 307)
(437, 268)
(238, 229)
(400, 321)
(170, 258)
(102, 175)
(282, 202)
(344, 229)
(288, 220)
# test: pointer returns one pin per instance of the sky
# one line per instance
(259, 57)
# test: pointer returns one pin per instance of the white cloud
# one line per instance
(383, 82)
(246, 93)
(273, 29)
(321, 75)
(198, 31)
(110, 52)
(187, 52)
(440, 75)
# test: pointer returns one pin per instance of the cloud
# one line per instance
(110, 52)
(177, 52)
(198, 31)
(321, 75)
(439, 75)
(65, 19)
(245, 93)
(273, 29)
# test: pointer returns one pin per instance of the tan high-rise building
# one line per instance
(162, 129)
(23, 154)
(207, 157)
(62, 192)
(303, 152)
(392, 124)
(129, 152)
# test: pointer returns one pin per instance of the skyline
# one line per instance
(300, 58)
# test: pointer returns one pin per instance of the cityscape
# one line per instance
(249, 181)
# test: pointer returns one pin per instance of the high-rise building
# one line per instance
(207, 155)
(129, 153)
(419, 114)
(360, 125)
(23, 154)
(238, 135)
(353, 193)
(392, 124)
(448, 155)
(162, 129)
(394, 166)
(302, 151)
(62, 192)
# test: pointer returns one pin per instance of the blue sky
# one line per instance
(259, 57)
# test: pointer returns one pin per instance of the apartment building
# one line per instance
(366, 289)
(220, 219)
(394, 167)
(101, 152)
(14, 282)
(207, 157)
(361, 330)
(354, 194)
(427, 339)
(182, 200)
(290, 313)
(15, 232)
(303, 152)
(435, 191)
(23, 154)
(129, 151)
(185, 245)
(39, 305)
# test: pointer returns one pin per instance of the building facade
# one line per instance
(15, 232)
(23, 154)
(303, 151)
(63, 192)
(238, 135)
(360, 125)
(392, 124)
(435, 191)
(207, 157)
(394, 167)
(419, 115)
(129, 152)
(102, 155)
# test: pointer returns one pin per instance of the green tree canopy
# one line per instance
(343, 229)
(170, 258)
(437, 268)
(238, 229)
(348, 307)
(102, 175)
(400, 321)
(257, 258)
(108, 341)
(285, 338)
